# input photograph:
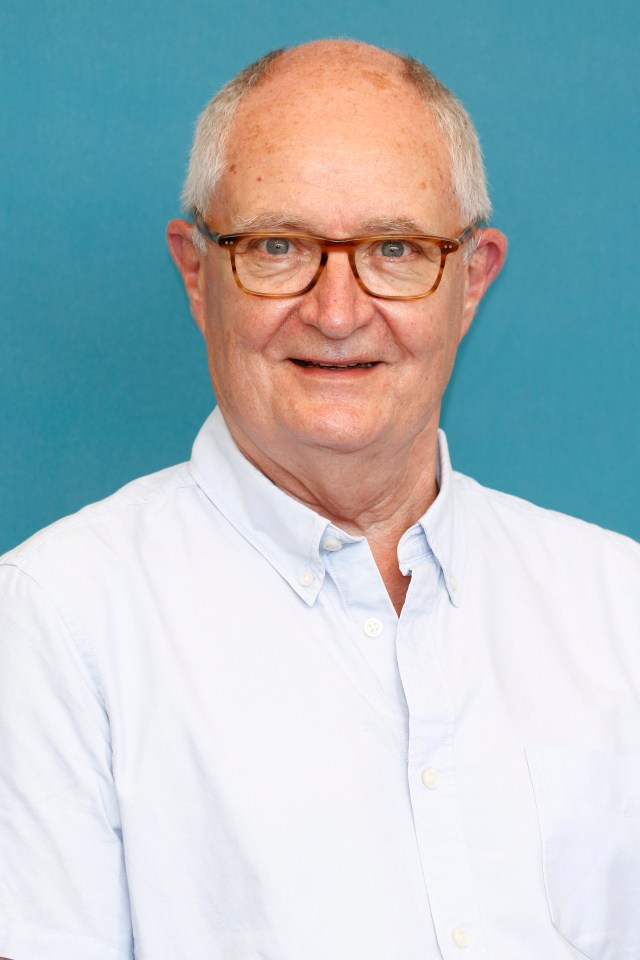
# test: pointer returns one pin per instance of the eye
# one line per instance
(393, 248)
(277, 245)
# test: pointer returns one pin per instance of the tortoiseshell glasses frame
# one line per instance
(229, 241)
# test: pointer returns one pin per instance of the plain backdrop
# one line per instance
(102, 372)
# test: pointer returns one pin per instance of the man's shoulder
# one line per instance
(107, 522)
(519, 517)
(495, 513)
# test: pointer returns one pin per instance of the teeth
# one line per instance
(333, 366)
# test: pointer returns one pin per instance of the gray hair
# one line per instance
(206, 162)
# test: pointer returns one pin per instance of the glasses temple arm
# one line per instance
(204, 229)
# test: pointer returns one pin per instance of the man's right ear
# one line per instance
(190, 263)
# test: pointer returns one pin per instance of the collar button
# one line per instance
(306, 578)
(331, 543)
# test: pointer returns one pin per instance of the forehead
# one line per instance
(335, 142)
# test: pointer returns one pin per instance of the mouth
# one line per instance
(335, 366)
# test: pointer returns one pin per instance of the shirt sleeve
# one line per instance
(63, 891)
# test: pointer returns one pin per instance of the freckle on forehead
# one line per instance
(380, 80)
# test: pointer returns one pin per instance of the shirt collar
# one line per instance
(290, 535)
(286, 532)
(442, 527)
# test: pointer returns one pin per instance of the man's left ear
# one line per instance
(484, 265)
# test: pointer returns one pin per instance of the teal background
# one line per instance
(102, 373)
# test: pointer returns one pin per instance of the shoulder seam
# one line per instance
(80, 518)
(83, 649)
(527, 508)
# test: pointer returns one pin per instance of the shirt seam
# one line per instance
(24, 557)
(471, 487)
(87, 656)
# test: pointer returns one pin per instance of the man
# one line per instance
(313, 695)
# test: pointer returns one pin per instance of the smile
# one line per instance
(334, 366)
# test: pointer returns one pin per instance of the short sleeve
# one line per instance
(63, 891)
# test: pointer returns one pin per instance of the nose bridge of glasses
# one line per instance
(330, 245)
(345, 247)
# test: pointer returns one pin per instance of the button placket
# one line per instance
(434, 798)
(371, 620)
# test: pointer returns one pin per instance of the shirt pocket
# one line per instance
(588, 805)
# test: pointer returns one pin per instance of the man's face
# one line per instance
(334, 158)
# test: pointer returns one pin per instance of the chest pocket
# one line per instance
(588, 805)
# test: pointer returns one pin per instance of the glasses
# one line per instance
(407, 267)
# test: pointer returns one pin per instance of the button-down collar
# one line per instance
(295, 538)
(285, 531)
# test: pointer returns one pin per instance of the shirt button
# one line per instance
(306, 578)
(372, 627)
(460, 937)
(453, 582)
(430, 779)
(332, 543)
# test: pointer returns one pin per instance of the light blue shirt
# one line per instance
(219, 742)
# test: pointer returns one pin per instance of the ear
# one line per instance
(190, 262)
(483, 267)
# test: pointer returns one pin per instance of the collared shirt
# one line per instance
(219, 742)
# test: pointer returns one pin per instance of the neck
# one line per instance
(369, 493)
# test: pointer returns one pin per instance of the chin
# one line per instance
(337, 430)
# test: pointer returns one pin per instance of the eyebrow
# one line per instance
(393, 225)
(269, 221)
(278, 221)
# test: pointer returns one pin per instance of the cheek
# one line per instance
(232, 318)
(430, 335)
(240, 334)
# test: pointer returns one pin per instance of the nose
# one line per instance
(337, 305)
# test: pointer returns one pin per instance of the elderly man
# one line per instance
(312, 695)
